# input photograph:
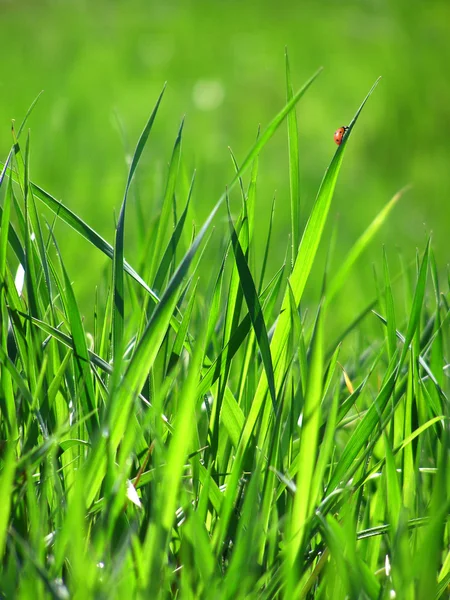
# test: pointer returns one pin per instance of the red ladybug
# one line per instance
(339, 134)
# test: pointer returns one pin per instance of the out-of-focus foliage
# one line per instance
(103, 63)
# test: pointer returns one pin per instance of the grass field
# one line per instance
(209, 389)
(101, 65)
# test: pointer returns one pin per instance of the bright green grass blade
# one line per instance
(197, 534)
(409, 482)
(28, 113)
(428, 558)
(251, 195)
(246, 385)
(326, 443)
(294, 170)
(232, 315)
(309, 433)
(232, 417)
(118, 254)
(215, 304)
(358, 248)
(5, 168)
(30, 271)
(14, 241)
(417, 304)
(363, 432)
(271, 128)
(237, 582)
(241, 183)
(254, 309)
(6, 492)
(179, 447)
(81, 354)
(442, 587)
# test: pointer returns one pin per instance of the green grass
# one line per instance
(208, 437)
(102, 65)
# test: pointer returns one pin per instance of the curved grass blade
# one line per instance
(173, 243)
(254, 309)
(118, 257)
(81, 354)
(28, 113)
(360, 245)
(81, 227)
(271, 128)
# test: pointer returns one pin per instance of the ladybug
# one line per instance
(339, 134)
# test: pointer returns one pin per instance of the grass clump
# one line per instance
(217, 443)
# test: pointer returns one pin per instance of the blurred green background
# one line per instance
(103, 63)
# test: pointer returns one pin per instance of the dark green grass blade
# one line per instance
(118, 254)
(254, 309)
(166, 210)
(82, 228)
(150, 342)
(179, 341)
(169, 254)
(81, 354)
(240, 333)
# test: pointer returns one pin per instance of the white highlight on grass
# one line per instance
(19, 279)
(133, 495)
(387, 565)
(208, 94)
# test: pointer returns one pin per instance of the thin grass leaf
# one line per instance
(118, 254)
(359, 246)
(254, 309)
(294, 170)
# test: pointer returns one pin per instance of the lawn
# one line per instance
(224, 371)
